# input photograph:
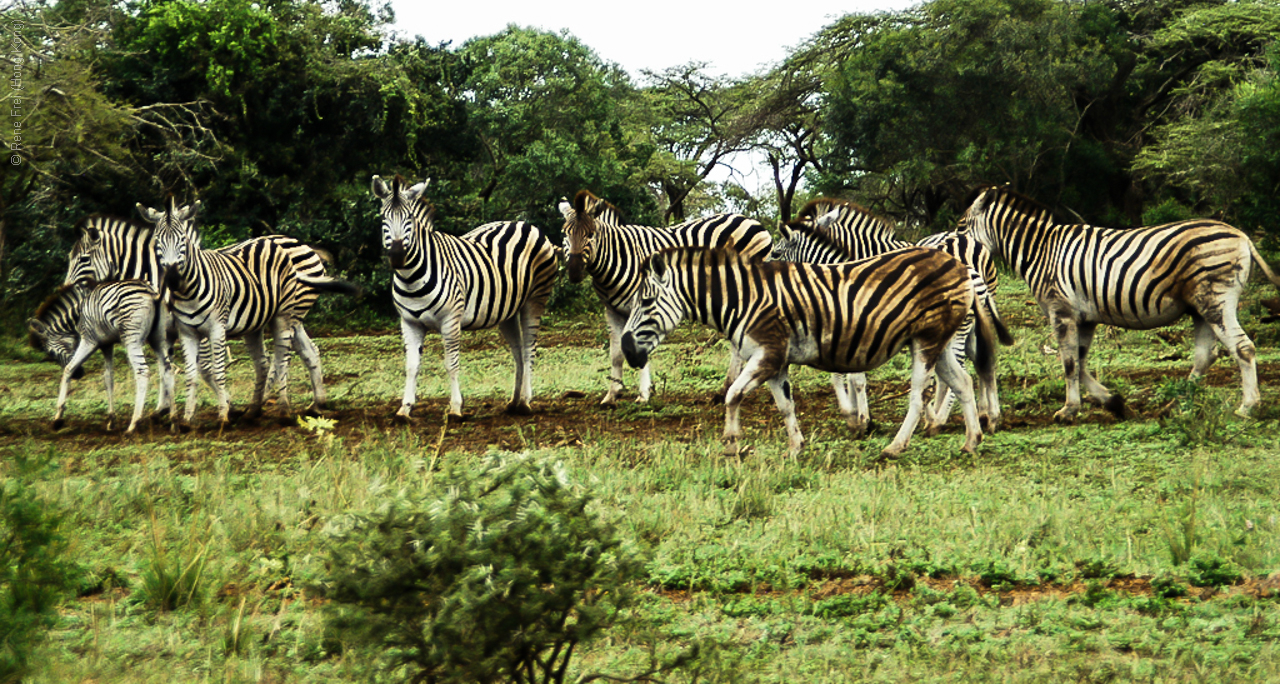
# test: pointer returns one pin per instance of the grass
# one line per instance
(1147, 550)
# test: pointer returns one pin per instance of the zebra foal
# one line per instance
(499, 274)
(600, 245)
(1140, 278)
(841, 318)
(76, 321)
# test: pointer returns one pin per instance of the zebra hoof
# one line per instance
(1065, 417)
(1116, 406)
(521, 409)
(313, 412)
(59, 424)
(402, 419)
(455, 419)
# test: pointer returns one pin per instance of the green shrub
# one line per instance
(499, 577)
(35, 574)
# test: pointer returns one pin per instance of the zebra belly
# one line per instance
(1165, 313)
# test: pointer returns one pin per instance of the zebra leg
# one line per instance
(282, 332)
(1226, 326)
(198, 355)
(1064, 326)
(735, 369)
(218, 359)
(109, 382)
(253, 345)
(951, 373)
(1206, 340)
(306, 348)
(451, 332)
(616, 322)
(83, 350)
(851, 397)
(780, 386)
(755, 369)
(412, 333)
(159, 343)
(920, 370)
(1097, 391)
(512, 330)
(141, 378)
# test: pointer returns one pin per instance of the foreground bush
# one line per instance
(498, 577)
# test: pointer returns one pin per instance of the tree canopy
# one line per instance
(275, 114)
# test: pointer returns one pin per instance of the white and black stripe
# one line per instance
(76, 321)
(111, 248)
(613, 254)
(848, 317)
(499, 274)
(1138, 278)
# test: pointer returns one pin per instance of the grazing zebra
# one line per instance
(613, 254)
(1139, 278)
(216, 294)
(847, 317)
(75, 321)
(111, 248)
(499, 274)
(831, 231)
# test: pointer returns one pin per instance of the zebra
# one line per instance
(1140, 278)
(76, 321)
(612, 253)
(216, 294)
(830, 230)
(846, 317)
(499, 274)
(110, 248)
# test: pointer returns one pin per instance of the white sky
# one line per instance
(735, 38)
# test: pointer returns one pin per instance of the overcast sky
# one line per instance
(735, 38)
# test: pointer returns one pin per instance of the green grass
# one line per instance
(1145, 551)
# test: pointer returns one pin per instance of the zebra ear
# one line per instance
(658, 266)
(92, 234)
(416, 191)
(36, 326)
(827, 219)
(566, 209)
(149, 214)
(784, 230)
(379, 188)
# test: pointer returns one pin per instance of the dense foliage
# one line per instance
(498, 577)
(276, 113)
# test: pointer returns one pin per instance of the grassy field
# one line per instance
(1146, 550)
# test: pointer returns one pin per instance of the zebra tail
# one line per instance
(990, 327)
(1266, 268)
(327, 284)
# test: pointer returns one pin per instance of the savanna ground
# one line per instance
(1136, 550)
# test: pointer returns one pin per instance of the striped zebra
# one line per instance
(612, 253)
(76, 321)
(831, 231)
(111, 248)
(1139, 278)
(841, 318)
(217, 294)
(499, 274)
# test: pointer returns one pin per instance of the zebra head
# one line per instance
(656, 309)
(990, 205)
(90, 260)
(175, 236)
(803, 240)
(403, 210)
(580, 225)
(52, 329)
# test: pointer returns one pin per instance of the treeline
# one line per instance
(276, 113)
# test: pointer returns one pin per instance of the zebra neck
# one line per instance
(423, 254)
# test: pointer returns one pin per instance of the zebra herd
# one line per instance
(837, 291)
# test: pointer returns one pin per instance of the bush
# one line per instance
(34, 572)
(500, 577)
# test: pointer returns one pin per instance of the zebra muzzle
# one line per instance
(577, 268)
(396, 254)
(636, 358)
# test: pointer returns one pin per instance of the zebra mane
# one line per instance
(53, 300)
(419, 207)
(1010, 198)
(585, 199)
(820, 206)
(813, 233)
